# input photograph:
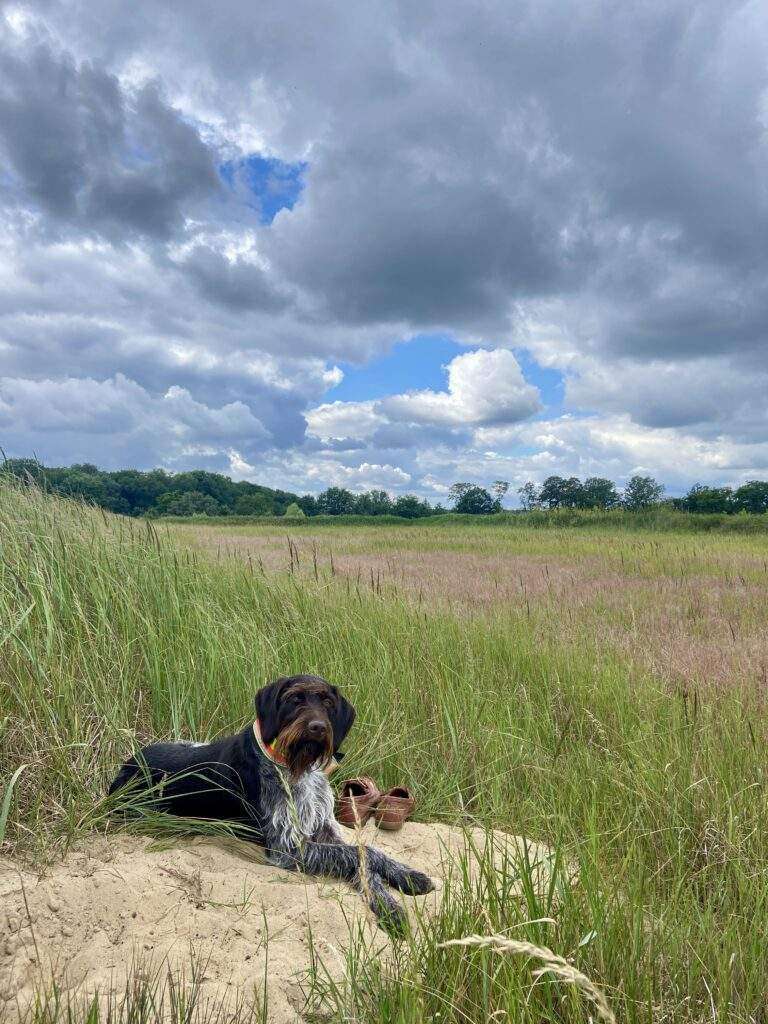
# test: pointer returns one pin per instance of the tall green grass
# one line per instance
(112, 634)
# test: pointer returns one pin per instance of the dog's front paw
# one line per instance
(391, 916)
(418, 884)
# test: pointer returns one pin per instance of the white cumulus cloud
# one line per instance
(484, 387)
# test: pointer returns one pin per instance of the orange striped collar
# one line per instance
(267, 749)
(271, 754)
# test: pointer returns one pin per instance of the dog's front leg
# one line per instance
(325, 854)
(400, 876)
(373, 870)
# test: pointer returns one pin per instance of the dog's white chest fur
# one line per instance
(306, 806)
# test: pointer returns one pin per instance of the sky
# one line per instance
(386, 245)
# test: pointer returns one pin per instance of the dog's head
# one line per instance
(305, 718)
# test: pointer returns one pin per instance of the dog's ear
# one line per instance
(268, 708)
(342, 720)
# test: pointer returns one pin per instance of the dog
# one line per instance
(271, 777)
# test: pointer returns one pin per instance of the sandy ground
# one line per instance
(117, 902)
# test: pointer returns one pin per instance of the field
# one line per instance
(601, 691)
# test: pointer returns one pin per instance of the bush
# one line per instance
(294, 512)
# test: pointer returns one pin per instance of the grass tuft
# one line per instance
(551, 964)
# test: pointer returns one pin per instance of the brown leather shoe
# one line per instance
(393, 808)
(356, 802)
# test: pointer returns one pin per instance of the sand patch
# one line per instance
(116, 901)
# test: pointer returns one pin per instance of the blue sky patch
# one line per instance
(414, 363)
(274, 184)
(549, 382)
(417, 363)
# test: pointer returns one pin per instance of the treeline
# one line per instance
(751, 497)
(338, 501)
(643, 492)
(132, 492)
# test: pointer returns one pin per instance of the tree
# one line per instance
(141, 490)
(190, 503)
(373, 503)
(94, 487)
(457, 491)
(551, 492)
(641, 492)
(308, 504)
(476, 501)
(410, 507)
(135, 492)
(708, 499)
(597, 492)
(529, 495)
(336, 501)
(22, 469)
(557, 492)
(499, 489)
(202, 482)
(253, 505)
(294, 511)
(572, 493)
(752, 497)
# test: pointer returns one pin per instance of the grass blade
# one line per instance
(7, 797)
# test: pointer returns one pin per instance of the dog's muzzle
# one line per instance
(305, 742)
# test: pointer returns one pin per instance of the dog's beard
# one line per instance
(301, 753)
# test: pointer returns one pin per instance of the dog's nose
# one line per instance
(316, 728)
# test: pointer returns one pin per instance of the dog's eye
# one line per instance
(328, 702)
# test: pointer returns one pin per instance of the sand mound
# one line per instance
(117, 901)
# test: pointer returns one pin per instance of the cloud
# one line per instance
(709, 395)
(338, 420)
(483, 388)
(236, 283)
(93, 157)
(315, 471)
(212, 209)
(363, 477)
(615, 447)
(81, 419)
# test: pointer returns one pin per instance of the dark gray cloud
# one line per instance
(90, 156)
(711, 395)
(237, 284)
(435, 253)
(462, 160)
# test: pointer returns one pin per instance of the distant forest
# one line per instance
(132, 492)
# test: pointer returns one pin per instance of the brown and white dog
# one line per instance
(271, 778)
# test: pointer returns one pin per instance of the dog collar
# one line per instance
(266, 748)
(271, 754)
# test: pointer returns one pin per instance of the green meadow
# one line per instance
(602, 691)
